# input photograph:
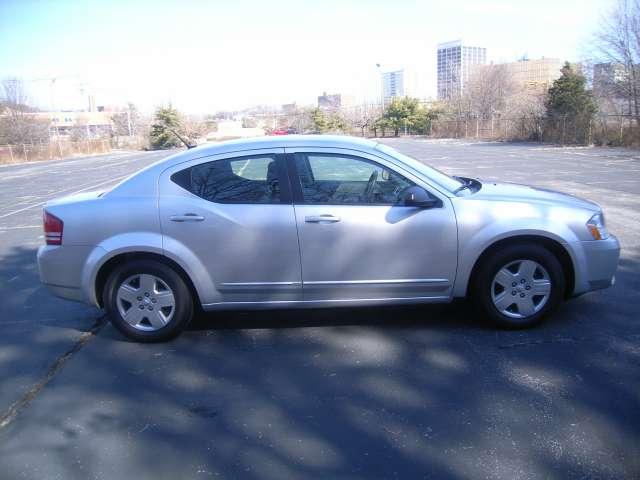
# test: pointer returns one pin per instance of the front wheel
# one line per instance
(517, 287)
(147, 301)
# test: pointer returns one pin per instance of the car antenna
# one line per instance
(187, 144)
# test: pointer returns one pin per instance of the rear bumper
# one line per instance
(61, 268)
(599, 262)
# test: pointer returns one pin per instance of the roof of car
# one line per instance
(280, 141)
(136, 182)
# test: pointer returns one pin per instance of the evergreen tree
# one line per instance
(319, 121)
(569, 97)
(166, 123)
(407, 112)
(399, 113)
(327, 121)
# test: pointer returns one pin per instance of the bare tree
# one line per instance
(489, 89)
(362, 117)
(193, 128)
(127, 122)
(18, 121)
(618, 44)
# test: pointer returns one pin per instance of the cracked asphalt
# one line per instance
(420, 392)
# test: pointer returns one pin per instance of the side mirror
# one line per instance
(419, 197)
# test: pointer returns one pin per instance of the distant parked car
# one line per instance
(282, 131)
(317, 221)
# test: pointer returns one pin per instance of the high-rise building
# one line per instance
(393, 85)
(455, 62)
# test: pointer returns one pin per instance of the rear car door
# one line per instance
(357, 241)
(232, 213)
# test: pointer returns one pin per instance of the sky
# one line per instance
(205, 56)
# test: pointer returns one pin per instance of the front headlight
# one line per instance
(597, 227)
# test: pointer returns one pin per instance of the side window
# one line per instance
(346, 180)
(252, 179)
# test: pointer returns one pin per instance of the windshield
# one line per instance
(442, 179)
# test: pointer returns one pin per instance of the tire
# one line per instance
(147, 301)
(508, 295)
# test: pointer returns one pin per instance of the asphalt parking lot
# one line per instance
(424, 392)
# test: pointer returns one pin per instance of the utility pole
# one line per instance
(129, 120)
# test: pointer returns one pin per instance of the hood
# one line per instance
(512, 192)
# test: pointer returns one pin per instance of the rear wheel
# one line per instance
(517, 287)
(147, 301)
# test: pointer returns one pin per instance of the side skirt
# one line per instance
(275, 304)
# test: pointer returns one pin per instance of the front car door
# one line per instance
(232, 214)
(357, 240)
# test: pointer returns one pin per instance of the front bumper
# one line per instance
(598, 264)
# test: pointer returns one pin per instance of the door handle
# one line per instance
(187, 217)
(322, 219)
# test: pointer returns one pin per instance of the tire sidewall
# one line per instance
(484, 280)
(183, 298)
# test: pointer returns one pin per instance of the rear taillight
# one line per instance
(52, 228)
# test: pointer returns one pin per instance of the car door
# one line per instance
(357, 240)
(232, 215)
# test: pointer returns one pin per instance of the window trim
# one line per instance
(286, 197)
(296, 185)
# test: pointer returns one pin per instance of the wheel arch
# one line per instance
(555, 247)
(110, 265)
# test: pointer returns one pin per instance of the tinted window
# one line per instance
(345, 180)
(236, 180)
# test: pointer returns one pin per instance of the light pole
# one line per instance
(379, 71)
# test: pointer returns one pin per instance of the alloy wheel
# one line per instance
(520, 289)
(145, 302)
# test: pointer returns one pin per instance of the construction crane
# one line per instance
(52, 85)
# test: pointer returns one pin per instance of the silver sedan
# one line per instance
(317, 221)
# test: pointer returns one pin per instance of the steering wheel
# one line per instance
(371, 185)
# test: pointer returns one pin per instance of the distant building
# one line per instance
(334, 101)
(95, 124)
(393, 85)
(605, 74)
(288, 108)
(608, 80)
(455, 62)
(234, 129)
(536, 76)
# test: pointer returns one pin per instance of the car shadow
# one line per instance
(458, 314)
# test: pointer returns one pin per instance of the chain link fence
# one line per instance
(601, 129)
(564, 130)
(613, 130)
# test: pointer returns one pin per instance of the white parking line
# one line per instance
(92, 164)
(70, 161)
(19, 227)
(53, 195)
